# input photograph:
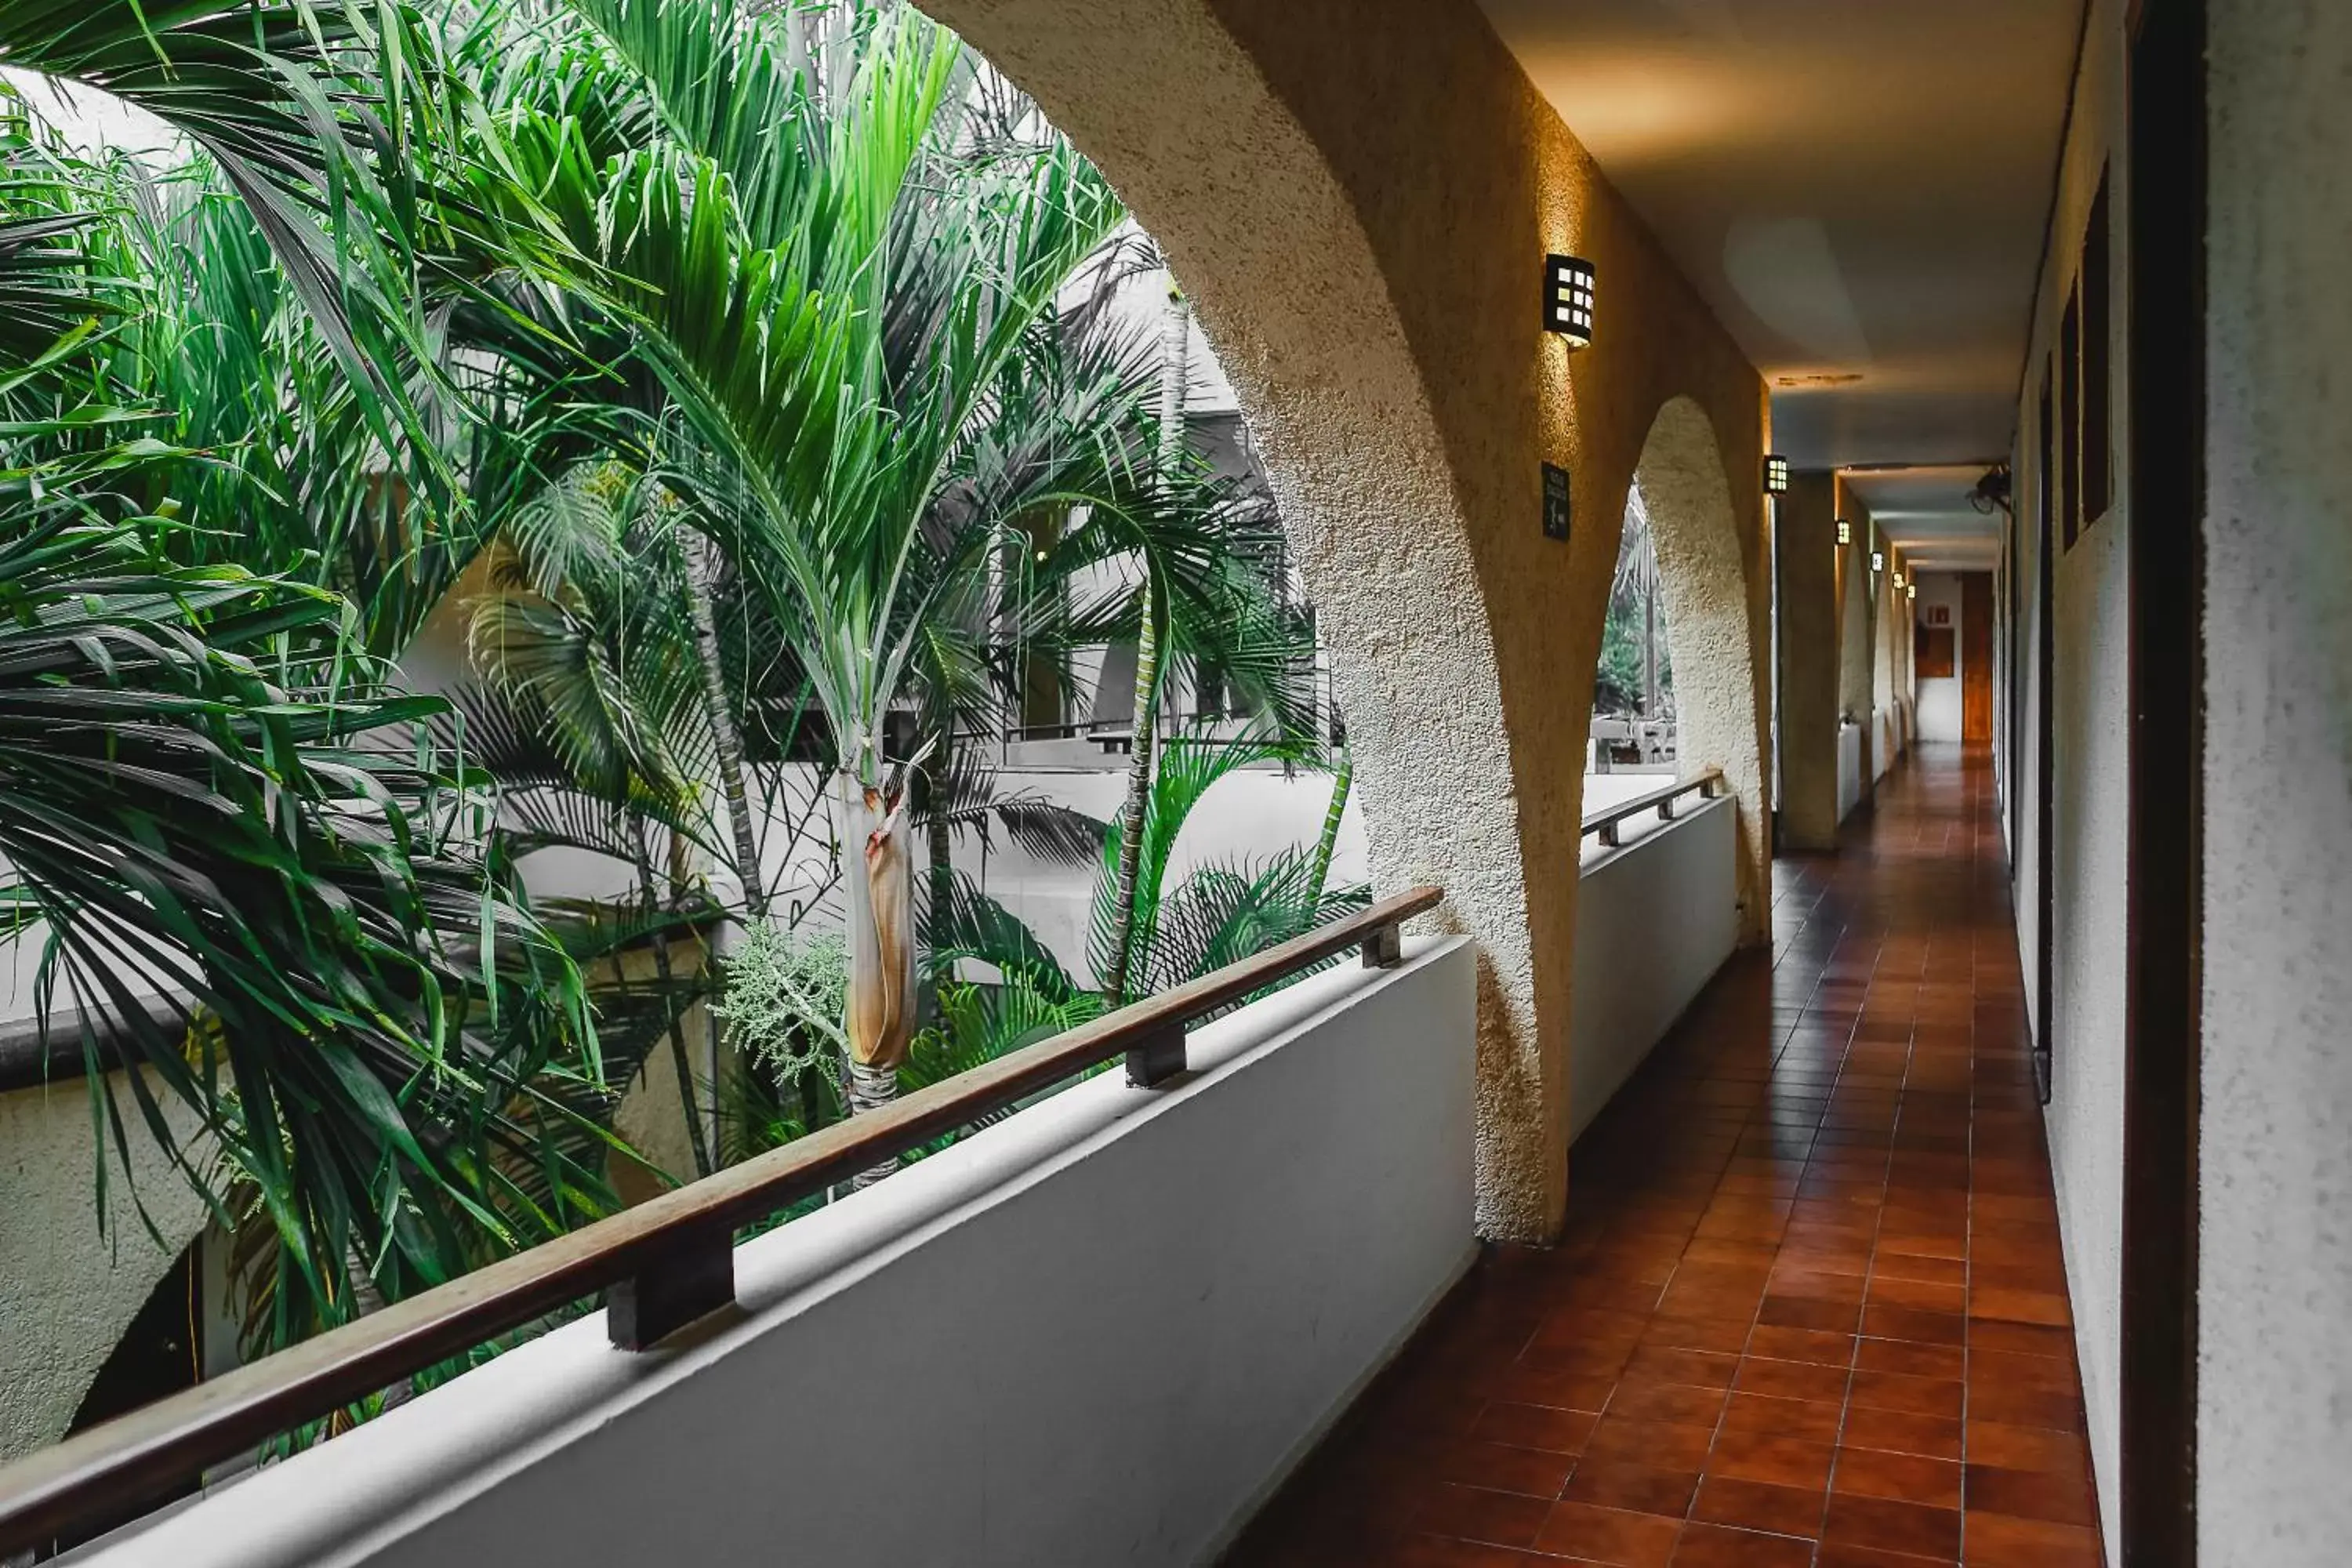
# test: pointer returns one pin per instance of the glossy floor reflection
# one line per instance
(1810, 1310)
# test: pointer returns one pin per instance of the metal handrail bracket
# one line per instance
(1607, 826)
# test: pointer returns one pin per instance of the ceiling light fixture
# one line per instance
(1567, 298)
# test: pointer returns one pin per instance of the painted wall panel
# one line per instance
(1655, 920)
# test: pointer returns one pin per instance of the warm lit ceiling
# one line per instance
(1926, 511)
(1860, 189)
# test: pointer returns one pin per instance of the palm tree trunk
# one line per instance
(941, 844)
(880, 882)
(1649, 654)
(726, 740)
(1142, 746)
(1341, 782)
(1176, 342)
(680, 1057)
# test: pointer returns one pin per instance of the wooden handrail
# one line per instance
(1707, 785)
(664, 1264)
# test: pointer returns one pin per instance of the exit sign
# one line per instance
(1556, 512)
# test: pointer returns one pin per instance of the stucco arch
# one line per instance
(1357, 194)
(1710, 630)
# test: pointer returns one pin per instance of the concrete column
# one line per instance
(1809, 667)
(1857, 693)
(2274, 1380)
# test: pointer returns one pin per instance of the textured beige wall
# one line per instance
(1890, 658)
(1857, 629)
(2274, 1374)
(1358, 195)
(69, 1289)
(1810, 613)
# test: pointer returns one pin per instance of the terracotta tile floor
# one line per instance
(1809, 1310)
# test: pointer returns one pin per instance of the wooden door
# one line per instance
(1976, 657)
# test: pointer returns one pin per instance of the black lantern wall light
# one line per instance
(1776, 474)
(1567, 298)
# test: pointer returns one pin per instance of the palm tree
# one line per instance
(1633, 590)
(1175, 370)
(210, 784)
(844, 294)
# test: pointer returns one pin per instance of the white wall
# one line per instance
(2089, 798)
(1098, 1331)
(2275, 1376)
(1655, 919)
(1939, 696)
(68, 1288)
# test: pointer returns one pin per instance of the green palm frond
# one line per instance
(976, 927)
(1188, 765)
(978, 1024)
(1224, 913)
(366, 1003)
(302, 106)
(966, 796)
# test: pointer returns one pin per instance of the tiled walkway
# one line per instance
(1809, 1311)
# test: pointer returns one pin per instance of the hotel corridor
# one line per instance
(1810, 1307)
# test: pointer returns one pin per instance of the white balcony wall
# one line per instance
(1655, 919)
(1099, 1331)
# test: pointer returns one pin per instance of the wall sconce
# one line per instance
(1898, 579)
(1567, 298)
(1878, 561)
(1912, 592)
(1846, 531)
(1776, 474)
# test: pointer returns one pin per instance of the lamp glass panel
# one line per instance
(1568, 298)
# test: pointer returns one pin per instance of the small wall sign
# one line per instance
(1556, 513)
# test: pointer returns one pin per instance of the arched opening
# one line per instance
(1369, 289)
(1275, 256)
(1702, 598)
(1634, 735)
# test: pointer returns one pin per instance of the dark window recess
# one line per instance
(2099, 478)
(2070, 418)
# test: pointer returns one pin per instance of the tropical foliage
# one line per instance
(738, 390)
